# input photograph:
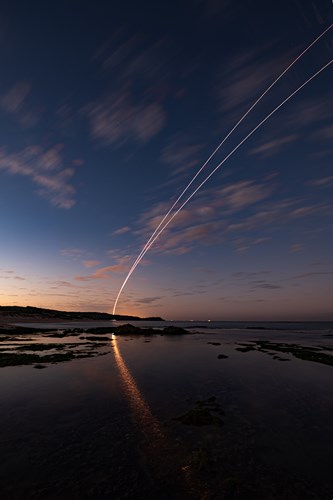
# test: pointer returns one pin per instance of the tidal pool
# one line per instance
(113, 426)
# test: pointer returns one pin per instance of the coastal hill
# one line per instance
(38, 313)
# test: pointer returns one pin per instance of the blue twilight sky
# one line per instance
(108, 109)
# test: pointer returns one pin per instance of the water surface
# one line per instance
(104, 427)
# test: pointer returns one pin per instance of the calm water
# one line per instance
(104, 427)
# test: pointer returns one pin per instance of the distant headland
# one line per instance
(30, 313)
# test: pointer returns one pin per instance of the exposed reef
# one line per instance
(306, 353)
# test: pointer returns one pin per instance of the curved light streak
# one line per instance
(152, 237)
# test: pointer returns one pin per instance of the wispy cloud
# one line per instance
(116, 119)
(148, 300)
(181, 154)
(45, 167)
(103, 273)
(274, 146)
(296, 247)
(323, 181)
(14, 98)
(325, 133)
(75, 253)
(91, 263)
(241, 245)
(246, 75)
(312, 111)
(14, 101)
(121, 230)
(132, 110)
(310, 274)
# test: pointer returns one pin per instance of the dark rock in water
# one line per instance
(11, 359)
(257, 328)
(129, 329)
(278, 358)
(100, 330)
(222, 356)
(96, 339)
(245, 349)
(199, 416)
(214, 343)
(306, 353)
(174, 330)
(205, 412)
(40, 367)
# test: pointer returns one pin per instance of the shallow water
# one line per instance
(104, 427)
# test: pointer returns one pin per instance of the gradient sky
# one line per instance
(107, 109)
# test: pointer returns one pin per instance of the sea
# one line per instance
(233, 410)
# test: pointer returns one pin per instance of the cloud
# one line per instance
(103, 273)
(91, 263)
(13, 100)
(241, 194)
(308, 275)
(181, 155)
(267, 286)
(310, 210)
(311, 112)
(209, 205)
(273, 147)
(72, 252)
(11, 275)
(131, 110)
(45, 168)
(243, 244)
(61, 283)
(323, 181)
(122, 230)
(243, 275)
(246, 76)
(148, 300)
(116, 119)
(325, 133)
(297, 247)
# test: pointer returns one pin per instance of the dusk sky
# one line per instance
(108, 109)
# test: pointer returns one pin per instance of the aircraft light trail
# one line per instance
(158, 231)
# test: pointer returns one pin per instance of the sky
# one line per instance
(107, 111)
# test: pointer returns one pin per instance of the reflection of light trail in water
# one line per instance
(152, 237)
(214, 170)
(151, 429)
(140, 407)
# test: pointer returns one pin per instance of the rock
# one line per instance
(204, 412)
(174, 330)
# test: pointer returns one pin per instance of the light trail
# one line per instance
(156, 232)
(138, 259)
